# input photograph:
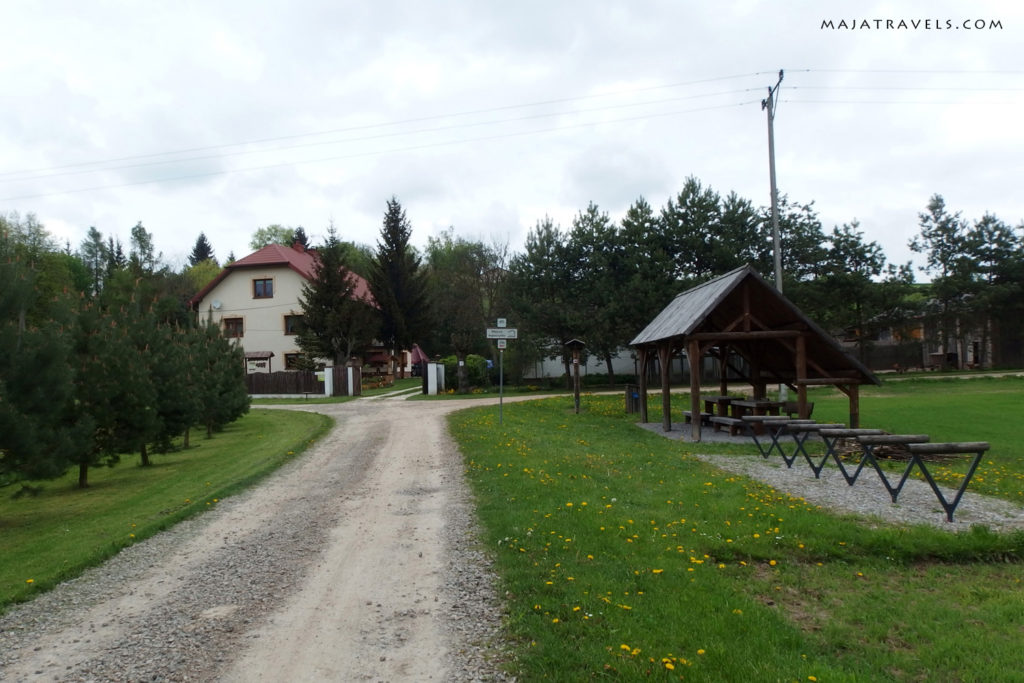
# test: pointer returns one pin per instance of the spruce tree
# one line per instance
(38, 432)
(222, 392)
(398, 282)
(335, 323)
(201, 251)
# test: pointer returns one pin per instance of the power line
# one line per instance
(436, 129)
(376, 152)
(986, 103)
(903, 88)
(972, 72)
(386, 124)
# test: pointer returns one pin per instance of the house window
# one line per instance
(233, 327)
(292, 323)
(292, 361)
(263, 288)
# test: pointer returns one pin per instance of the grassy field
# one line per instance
(624, 557)
(52, 536)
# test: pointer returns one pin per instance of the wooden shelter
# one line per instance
(740, 314)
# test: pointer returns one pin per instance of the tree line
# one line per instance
(99, 357)
(102, 357)
(602, 280)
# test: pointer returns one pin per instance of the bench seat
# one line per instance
(734, 424)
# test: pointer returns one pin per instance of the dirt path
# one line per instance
(336, 568)
(370, 607)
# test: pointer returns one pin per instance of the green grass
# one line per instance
(622, 556)
(295, 401)
(55, 535)
(405, 384)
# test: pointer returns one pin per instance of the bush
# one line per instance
(476, 371)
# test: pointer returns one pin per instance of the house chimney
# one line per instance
(297, 246)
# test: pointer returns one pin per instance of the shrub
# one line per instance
(476, 371)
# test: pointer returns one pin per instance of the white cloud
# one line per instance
(637, 96)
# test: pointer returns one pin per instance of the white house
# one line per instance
(255, 300)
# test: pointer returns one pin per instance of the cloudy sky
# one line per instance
(224, 116)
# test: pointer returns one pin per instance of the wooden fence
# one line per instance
(301, 382)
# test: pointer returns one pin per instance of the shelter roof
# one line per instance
(748, 314)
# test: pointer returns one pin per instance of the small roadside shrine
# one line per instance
(740, 315)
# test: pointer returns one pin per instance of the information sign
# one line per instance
(502, 333)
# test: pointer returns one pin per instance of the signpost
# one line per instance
(502, 334)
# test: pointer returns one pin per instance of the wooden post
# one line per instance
(854, 392)
(693, 351)
(723, 383)
(645, 354)
(576, 379)
(801, 374)
(576, 345)
(755, 379)
(664, 358)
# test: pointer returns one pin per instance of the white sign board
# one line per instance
(502, 333)
(502, 322)
(502, 343)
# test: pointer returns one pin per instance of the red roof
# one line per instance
(297, 258)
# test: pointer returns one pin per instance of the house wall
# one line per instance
(263, 319)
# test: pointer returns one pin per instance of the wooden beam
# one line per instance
(820, 381)
(694, 354)
(723, 369)
(801, 376)
(854, 406)
(810, 361)
(665, 358)
(645, 354)
(743, 336)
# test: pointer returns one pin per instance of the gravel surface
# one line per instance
(205, 600)
(357, 561)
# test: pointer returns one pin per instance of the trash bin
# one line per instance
(632, 398)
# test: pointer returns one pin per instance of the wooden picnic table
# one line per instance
(758, 407)
(717, 405)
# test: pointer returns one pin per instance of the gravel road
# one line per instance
(356, 562)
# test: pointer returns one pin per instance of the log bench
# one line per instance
(774, 426)
(733, 424)
(869, 442)
(688, 415)
(832, 436)
(804, 430)
(975, 448)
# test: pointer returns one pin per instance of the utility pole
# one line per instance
(769, 104)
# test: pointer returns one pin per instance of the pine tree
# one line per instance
(93, 253)
(222, 393)
(38, 433)
(398, 282)
(335, 323)
(201, 251)
(299, 237)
